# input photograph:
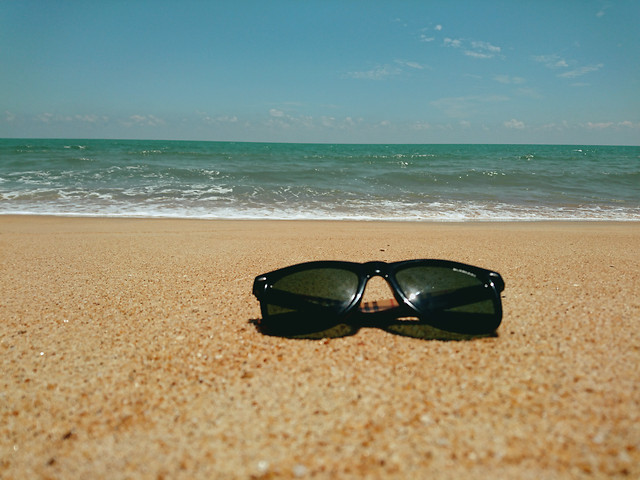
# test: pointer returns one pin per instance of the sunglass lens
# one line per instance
(451, 298)
(309, 300)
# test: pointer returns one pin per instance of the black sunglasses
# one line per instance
(314, 296)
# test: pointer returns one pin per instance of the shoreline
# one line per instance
(129, 345)
(311, 220)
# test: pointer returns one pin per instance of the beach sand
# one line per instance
(128, 350)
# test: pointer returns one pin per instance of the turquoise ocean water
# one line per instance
(318, 181)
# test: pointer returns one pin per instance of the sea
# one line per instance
(243, 180)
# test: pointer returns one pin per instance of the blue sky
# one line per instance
(340, 71)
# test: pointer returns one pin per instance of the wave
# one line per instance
(385, 182)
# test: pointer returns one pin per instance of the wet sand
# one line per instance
(129, 350)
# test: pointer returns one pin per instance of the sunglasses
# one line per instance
(315, 296)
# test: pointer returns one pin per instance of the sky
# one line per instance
(327, 71)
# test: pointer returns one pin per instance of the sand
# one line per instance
(129, 350)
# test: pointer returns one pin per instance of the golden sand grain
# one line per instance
(128, 351)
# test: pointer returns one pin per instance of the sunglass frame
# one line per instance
(387, 270)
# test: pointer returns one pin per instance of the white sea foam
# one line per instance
(441, 212)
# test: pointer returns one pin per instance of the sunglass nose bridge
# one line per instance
(376, 269)
(378, 295)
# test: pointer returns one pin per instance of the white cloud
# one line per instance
(562, 126)
(477, 49)
(451, 42)
(280, 119)
(429, 38)
(385, 71)
(421, 126)
(554, 62)
(599, 125)
(513, 123)
(610, 125)
(581, 71)
(143, 120)
(284, 121)
(9, 116)
(87, 118)
(551, 61)
(414, 65)
(153, 120)
(378, 73)
(508, 80)
(543, 58)
(482, 50)
(328, 121)
(485, 46)
(220, 119)
(45, 117)
(473, 54)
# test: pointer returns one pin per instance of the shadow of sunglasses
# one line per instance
(317, 327)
